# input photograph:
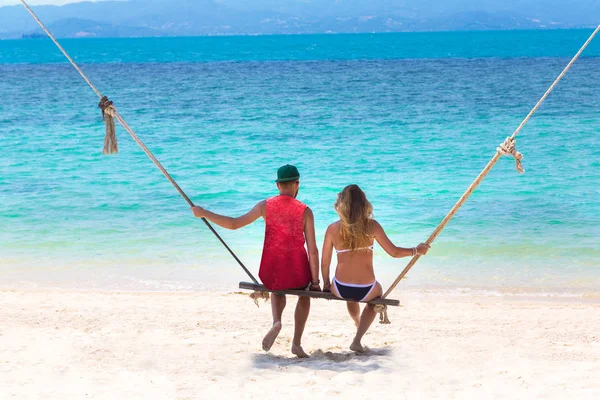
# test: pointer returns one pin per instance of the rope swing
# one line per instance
(507, 148)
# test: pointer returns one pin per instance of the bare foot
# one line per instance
(357, 347)
(270, 337)
(297, 350)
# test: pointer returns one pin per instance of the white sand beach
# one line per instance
(108, 345)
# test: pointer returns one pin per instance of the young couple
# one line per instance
(286, 264)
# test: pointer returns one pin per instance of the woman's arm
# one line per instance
(393, 250)
(326, 258)
(229, 222)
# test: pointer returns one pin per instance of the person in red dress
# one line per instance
(285, 262)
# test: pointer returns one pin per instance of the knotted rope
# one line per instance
(506, 148)
(109, 113)
(383, 316)
(110, 140)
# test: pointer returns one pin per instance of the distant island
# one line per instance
(145, 18)
(33, 36)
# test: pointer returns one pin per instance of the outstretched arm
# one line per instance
(229, 222)
(393, 250)
(313, 251)
(326, 260)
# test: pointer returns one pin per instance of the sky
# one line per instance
(38, 2)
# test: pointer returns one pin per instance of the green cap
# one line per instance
(287, 173)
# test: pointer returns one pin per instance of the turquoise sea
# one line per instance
(410, 117)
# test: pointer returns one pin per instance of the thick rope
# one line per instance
(109, 113)
(506, 147)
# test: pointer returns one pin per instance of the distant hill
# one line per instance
(206, 17)
(75, 27)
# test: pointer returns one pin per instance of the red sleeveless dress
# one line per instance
(284, 263)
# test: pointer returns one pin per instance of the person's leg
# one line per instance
(354, 311)
(300, 317)
(353, 307)
(277, 306)
(366, 319)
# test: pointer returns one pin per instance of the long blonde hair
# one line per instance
(356, 213)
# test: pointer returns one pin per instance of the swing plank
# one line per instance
(315, 295)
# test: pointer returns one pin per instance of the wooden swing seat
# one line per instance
(314, 295)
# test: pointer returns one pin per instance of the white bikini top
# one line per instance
(347, 250)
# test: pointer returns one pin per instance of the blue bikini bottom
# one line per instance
(352, 291)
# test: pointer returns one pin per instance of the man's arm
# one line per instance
(326, 260)
(313, 251)
(229, 222)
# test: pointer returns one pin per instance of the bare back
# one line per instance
(356, 267)
(353, 266)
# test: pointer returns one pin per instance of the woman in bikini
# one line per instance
(352, 238)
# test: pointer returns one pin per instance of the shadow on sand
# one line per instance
(327, 360)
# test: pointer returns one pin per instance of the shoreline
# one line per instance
(517, 294)
(450, 294)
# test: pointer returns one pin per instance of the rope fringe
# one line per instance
(508, 149)
(260, 295)
(383, 315)
(108, 113)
